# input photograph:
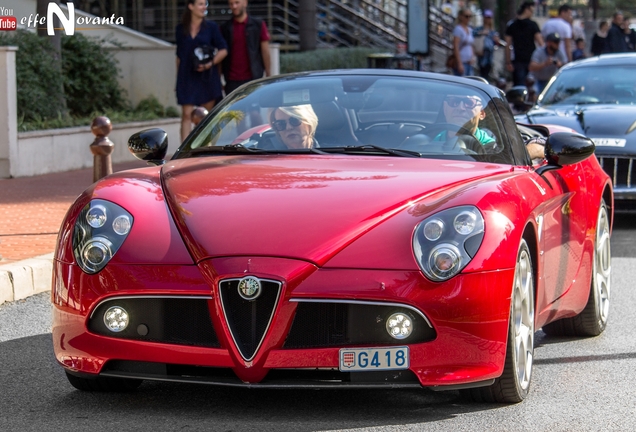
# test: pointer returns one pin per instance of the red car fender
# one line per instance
(140, 193)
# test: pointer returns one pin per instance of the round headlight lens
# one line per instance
(97, 252)
(444, 261)
(121, 225)
(465, 222)
(96, 216)
(433, 229)
(399, 325)
(116, 319)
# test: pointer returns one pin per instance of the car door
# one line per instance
(562, 225)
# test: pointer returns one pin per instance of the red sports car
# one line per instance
(361, 228)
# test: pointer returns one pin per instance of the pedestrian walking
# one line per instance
(547, 60)
(616, 35)
(463, 44)
(248, 47)
(599, 39)
(200, 48)
(561, 24)
(630, 35)
(485, 40)
(522, 36)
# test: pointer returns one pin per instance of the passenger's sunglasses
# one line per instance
(468, 102)
(281, 125)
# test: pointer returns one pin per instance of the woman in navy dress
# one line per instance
(200, 86)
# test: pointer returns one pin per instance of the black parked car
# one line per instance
(597, 97)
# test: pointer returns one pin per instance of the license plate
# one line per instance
(609, 142)
(370, 359)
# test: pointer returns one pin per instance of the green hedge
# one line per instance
(325, 59)
(39, 81)
(88, 76)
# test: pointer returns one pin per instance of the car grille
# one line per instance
(248, 320)
(619, 169)
(328, 324)
(183, 320)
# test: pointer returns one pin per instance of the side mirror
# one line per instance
(565, 148)
(149, 145)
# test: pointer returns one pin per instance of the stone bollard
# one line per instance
(197, 115)
(101, 148)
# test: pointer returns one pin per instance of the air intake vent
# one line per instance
(326, 324)
(171, 320)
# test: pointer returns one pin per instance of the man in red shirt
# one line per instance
(248, 47)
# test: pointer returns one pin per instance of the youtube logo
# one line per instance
(8, 23)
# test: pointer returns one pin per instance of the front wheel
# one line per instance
(513, 385)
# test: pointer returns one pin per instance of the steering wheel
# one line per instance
(460, 143)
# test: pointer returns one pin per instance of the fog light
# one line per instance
(116, 319)
(399, 326)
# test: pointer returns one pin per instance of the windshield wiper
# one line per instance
(374, 149)
(242, 149)
(229, 148)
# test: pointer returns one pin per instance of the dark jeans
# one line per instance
(519, 73)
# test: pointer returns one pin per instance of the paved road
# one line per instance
(578, 385)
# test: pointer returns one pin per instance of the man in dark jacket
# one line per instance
(248, 47)
(615, 42)
(522, 36)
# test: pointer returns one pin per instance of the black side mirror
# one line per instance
(565, 148)
(149, 145)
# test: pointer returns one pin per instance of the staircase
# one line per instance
(352, 23)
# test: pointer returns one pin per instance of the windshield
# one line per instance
(371, 115)
(592, 85)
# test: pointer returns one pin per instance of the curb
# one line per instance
(25, 278)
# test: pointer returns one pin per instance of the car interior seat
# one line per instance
(334, 126)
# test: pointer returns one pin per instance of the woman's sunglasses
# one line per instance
(468, 102)
(281, 125)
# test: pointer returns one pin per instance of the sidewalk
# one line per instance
(31, 212)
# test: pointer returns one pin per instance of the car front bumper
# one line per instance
(462, 342)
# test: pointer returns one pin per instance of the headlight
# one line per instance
(99, 231)
(444, 243)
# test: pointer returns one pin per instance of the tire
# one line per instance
(103, 384)
(593, 319)
(514, 383)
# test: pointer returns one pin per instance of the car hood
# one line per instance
(305, 207)
(595, 121)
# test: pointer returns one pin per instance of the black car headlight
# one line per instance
(100, 230)
(444, 243)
